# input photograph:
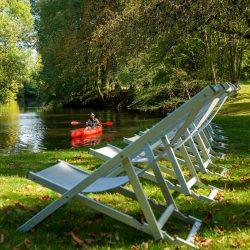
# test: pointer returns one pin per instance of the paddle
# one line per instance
(105, 123)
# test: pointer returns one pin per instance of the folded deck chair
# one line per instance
(211, 135)
(199, 144)
(207, 140)
(196, 146)
(170, 138)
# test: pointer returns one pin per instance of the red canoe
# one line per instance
(84, 132)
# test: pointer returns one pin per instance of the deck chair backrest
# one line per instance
(200, 113)
(229, 91)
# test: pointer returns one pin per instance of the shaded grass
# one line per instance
(225, 223)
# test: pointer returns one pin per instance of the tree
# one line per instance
(73, 71)
(15, 34)
(146, 55)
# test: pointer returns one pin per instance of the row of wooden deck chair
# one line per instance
(185, 138)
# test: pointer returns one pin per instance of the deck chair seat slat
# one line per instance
(60, 172)
(111, 151)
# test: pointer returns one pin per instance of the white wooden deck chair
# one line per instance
(72, 182)
(207, 140)
(69, 180)
(213, 129)
(197, 149)
(210, 139)
(171, 140)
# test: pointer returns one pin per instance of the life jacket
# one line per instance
(92, 122)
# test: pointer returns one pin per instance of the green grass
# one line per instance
(225, 223)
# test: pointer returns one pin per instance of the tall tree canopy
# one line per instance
(15, 36)
(143, 54)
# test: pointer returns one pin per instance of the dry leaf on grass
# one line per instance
(221, 240)
(237, 244)
(144, 245)
(244, 173)
(219, 196)
(39, 189)
(44, 198)
(81, 242)
(134, 247)
(89, 222)
(227, 174)
(26, 244)
(234, 167)
(117, 236)
(77, 240)
(1, 238)
(206, 242)
(209, 215)
(12, 165)
(29, 187)
(245, 179)
(92, 235)
(89, 241)
(18, 204)
(106, 235)
(219, 229)
(98, 198)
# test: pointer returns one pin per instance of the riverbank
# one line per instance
(225, 224)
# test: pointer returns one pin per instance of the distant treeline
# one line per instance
(149, 55)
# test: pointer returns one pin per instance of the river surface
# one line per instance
(27, 127)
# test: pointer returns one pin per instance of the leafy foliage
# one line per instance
(129, 53)
(15, 34)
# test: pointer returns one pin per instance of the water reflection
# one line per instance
(88, 141)
(30, 133)
(29, 129)
(20, 131)
(8, 125)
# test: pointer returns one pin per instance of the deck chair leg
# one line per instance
(208, 160)
(188, 162)
(174, 161)
(43, 214)
(196, 154)
(141, 197)
(159, 177)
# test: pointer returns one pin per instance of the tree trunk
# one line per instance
(209, 52)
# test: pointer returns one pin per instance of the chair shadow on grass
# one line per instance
(20, 165)
(87, 223)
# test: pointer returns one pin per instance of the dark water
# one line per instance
(25, 127)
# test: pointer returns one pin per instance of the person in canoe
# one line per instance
(92, 121)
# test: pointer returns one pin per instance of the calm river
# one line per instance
(25, 127)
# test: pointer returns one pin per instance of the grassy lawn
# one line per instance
(226, 223)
